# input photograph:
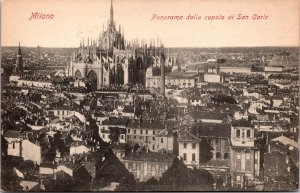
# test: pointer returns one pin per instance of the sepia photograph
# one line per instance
(160, 95)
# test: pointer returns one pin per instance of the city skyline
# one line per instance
(70, 25)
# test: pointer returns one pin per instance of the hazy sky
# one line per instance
(75, 19)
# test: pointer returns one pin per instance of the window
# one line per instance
(243, 133)
(238, 164)
(134, 131)
(161, 140)
(193, 145)
(248, 133)
(217, 141)
(148, 167)
(193, 157)
(238, 133)
(226, 143)
(218, 155)
(140, 137)
(128, 130)
(226, 155)
(184, 145)
(146, 132)
(153, 132)
(14, 145)
(153, 138)
(248, 165)
(184, 156)
(211, 142)
(153, 147)
(134, 137)
(141, 131)
(248, 156)
(122, 136)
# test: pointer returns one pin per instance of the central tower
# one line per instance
(111, 19)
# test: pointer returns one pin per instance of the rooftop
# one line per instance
(241, 123)
(146, 124)
(212, 130)
(286, 141)
(150, 157)
(187, 136)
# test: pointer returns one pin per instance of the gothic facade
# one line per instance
(111, 60)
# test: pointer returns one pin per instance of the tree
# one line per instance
(127, 183)
(180, 178)
(4, 145)
(205, 153)
(114, 134)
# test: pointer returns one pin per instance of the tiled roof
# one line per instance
(217, 163)
(214, 115)
(286, 141)
(99, 114)
(212, 130)
(12, 134)
(128, 109)
(241, 123)
(115, 121)
(120, 146)
(146, 124)
(187, 136)
(164, 133)
(150, 157)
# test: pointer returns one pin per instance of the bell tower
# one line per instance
(111, 19)
(19, 61)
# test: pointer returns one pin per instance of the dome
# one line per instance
(283, 59)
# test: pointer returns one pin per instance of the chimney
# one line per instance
(162, 74)
(73, 159)
(21, 148)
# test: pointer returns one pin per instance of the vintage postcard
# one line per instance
(160, 95)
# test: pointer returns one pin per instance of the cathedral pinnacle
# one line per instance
(111, 14)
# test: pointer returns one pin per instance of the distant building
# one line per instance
(145, 165)
(173, 80)
(281, 62)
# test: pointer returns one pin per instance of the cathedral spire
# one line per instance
(19, 61)
(19, 50)
(111, 14)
